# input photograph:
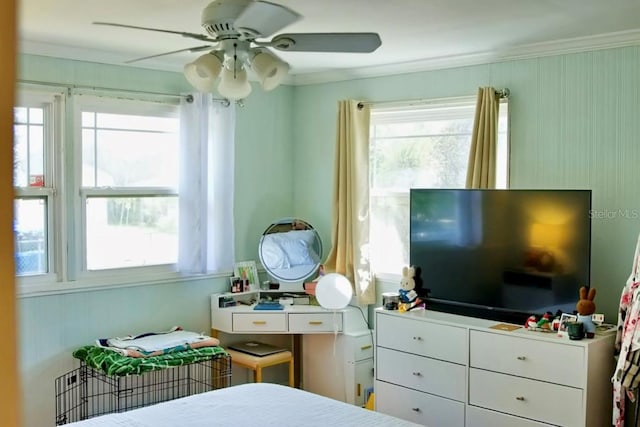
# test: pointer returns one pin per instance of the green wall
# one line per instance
(575, 123)
(52, 326)
(264, 156)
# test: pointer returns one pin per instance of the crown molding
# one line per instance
(535, 50)
(90, 55)
(106, 57)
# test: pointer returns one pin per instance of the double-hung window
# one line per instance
(418, 146)
(128, 184)
(37, 136)
(96, 180)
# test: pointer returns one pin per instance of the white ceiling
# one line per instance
(416, 34)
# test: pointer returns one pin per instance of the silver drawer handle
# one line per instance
(520, 398)
(415, 409)
(417, 374)
(417, 338)
(520, 357)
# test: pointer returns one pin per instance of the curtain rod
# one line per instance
(502, 93)
(99, 88)
(188, 97)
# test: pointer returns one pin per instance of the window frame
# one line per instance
(52, 101)
(435, 108)
(114, 105)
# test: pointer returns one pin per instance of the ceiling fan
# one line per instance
(236, 29)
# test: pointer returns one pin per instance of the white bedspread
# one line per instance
(258, 404)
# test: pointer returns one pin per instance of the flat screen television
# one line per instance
(501, 254)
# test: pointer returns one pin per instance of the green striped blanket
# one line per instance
(115, 364)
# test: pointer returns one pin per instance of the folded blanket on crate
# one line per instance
(113, 363)
(158, 341)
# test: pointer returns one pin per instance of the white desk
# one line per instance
(311, 327)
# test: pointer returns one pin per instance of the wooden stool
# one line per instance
(256, 363)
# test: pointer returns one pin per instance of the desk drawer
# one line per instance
(315, 322)
(360, 347)
(259, 322)
(547, 361)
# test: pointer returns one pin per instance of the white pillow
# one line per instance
(298, 247)
(272, 254)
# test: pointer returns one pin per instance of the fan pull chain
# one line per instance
(235, 59)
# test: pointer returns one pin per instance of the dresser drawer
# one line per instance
(259, 322)
(423, 338)
(418, 407)
(315, 322)
(422, 373)
(537, 400)
(479, 417)
(547, 361)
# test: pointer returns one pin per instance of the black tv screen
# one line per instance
(501, 254)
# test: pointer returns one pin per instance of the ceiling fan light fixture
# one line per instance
(234, 85)
(270, 70)
(234, 28)
(203, 72)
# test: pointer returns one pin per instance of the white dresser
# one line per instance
(440, 369)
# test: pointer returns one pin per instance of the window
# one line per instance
(129, 181)
(36, 133)
(424, 146)
(98, 181)
(101, 194)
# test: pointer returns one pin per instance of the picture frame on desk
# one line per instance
(247, 270)
(565, 318)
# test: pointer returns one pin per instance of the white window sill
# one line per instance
(29, 288)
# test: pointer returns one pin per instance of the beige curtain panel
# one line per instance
(350, 222)
(481, 170)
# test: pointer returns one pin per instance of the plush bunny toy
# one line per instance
(586, 307)
(407, 285)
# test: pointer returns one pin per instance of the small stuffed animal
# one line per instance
(586, 307)
(531, 323)
(555, 323)
(545, 322)
(407, 285)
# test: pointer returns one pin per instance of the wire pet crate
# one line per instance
(86, 392)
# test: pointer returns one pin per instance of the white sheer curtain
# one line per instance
(206, 186)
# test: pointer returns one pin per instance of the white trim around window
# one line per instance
(95, 190)
(52, 102)
(66, 196)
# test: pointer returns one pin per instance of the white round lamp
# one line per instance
(334, 291)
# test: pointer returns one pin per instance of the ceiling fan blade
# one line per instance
(196, 36)
(262, 18)
(189, 49)
(327, 42)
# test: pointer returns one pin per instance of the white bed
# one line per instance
(257, 404)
